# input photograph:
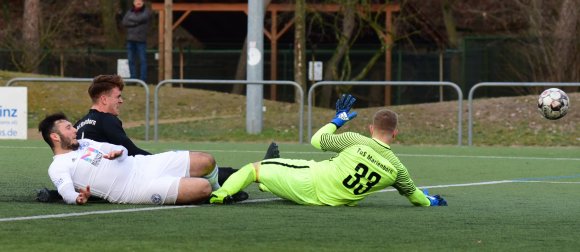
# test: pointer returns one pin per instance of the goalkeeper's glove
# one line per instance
(435, 200)
(343, 106)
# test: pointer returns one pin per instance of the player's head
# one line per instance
(138, 4)
(384, 124)
(56, 129)
(105, 92)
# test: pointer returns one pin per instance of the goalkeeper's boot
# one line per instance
(240, 196)
(272, 151)
(221, 198)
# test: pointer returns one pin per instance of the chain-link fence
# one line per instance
(478, 60)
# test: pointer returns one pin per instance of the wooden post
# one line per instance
(388, 55)
(181, 60)
(161, 47)
(274, 54)
(168, 37)
(61, 64)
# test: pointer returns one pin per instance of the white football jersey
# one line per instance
(108, 179)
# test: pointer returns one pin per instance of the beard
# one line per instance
(67, 143)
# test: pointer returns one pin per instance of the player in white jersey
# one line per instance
(84, 167)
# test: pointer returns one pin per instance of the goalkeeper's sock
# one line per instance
(236, 182)
(213, 179)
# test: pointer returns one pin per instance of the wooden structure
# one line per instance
(275, 32)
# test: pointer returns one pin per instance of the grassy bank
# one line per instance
(197, 115)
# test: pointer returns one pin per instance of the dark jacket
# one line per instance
(137, 24)
(105, 127)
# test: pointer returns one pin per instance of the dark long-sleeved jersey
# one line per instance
(105, 127)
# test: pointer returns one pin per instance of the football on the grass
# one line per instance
(553, 103)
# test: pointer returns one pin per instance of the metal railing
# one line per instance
(78, 80)
(504, 84)
(229, 82)
(391, 83)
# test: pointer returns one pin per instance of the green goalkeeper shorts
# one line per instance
(289, 179)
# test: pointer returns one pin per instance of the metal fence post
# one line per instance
(393, 83)
(228, 82)
(23, 79)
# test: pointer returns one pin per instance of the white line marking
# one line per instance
(411, 155)
(331, 153)
(457, 185)
(52, 216)
(490, 157)
(547, 182)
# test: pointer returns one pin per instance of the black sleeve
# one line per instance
(113, 129)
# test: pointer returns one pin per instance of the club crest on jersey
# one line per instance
(156, 199)
(83, 145)
(92, 156)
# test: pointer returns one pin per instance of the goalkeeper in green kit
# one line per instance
(362, 166)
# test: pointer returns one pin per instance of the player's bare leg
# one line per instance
(200, 164)
(193, 190)
(203, 165)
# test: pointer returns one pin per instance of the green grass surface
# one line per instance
(535, 208)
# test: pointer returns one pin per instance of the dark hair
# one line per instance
(385, 120)
(47, 126)
(104, 84)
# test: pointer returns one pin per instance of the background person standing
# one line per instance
(136, 20)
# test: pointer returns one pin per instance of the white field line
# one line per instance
(330, 153)
(53, 216)
(547, 182)
(414, 155)
(457, 185)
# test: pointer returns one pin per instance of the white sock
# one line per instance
(213, 178)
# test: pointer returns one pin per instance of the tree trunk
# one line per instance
(454, 41)
(31, 36)
(450, 25)
(564, 41)
(344, 37)
(241, 70)
(108, 12)
(300, 46)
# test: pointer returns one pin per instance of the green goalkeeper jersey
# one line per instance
(362, 166)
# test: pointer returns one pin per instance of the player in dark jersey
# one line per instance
(102, 124)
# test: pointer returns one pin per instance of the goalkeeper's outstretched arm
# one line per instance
(343, 115)
(316, 139)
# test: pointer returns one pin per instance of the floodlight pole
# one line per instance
(255, 66)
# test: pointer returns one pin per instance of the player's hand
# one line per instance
(113, 154)
(343, 106)
(84, 195)
(435, 200)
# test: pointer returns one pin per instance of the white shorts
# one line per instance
(157, 177)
